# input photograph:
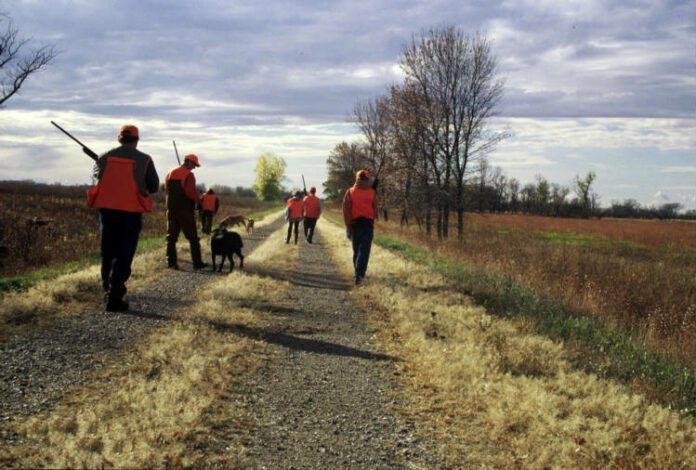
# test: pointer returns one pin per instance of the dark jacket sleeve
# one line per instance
(152, 178)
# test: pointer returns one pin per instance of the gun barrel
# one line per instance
(177, 152)
(85, 149)
(67, 133)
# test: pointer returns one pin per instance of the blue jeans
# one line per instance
(119, 232)
(362, 243)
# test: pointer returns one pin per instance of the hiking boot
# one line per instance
(116, 305)
(199, 266)
(173, 266)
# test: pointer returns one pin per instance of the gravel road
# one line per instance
(40, 367)
(325, 399)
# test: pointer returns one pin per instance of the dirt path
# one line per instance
(325, 399)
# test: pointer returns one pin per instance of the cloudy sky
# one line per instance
(604, 86)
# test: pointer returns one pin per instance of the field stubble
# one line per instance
(647, 290)
(72, 229)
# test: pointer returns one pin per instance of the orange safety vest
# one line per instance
(295, 206)
(361, 203)
(311, 206)
(208, 202)
(179, 173)
(117, 188)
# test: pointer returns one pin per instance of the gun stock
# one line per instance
(85, 149)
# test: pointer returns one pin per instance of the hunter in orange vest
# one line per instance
(293, 214)
(359, 214)
(182, 198)
(311, 210)
(208, 206)
(125, 179)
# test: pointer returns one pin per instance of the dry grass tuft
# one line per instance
(496, 395)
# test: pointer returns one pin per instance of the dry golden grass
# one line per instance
(648, 292)
(154, 406)
(496, 395)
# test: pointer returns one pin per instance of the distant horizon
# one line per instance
(682, 211)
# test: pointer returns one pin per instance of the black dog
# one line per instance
(225, 244)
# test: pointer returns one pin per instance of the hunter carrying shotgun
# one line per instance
(125, 179)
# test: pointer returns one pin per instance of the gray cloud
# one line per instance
(559, 59)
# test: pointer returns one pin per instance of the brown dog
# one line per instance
(233, 220)
(250, 226)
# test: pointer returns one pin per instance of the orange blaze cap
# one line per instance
(128, 130)
(192, 158)
(362, 175)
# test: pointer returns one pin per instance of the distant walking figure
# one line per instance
(311, 210)
(359, 214)
(293, 214)
(209, 205)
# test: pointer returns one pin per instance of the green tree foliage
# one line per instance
(270, 170)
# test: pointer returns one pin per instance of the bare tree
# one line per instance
(372, 118)
(410, 174)
(16, 62)
(343, 161)
(456, 75)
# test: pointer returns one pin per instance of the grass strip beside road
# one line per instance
(67, 292)
(594, 347)
(493, 391)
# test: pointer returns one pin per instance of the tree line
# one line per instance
(427, 140)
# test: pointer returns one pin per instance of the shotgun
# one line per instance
(85, 149)
(304, 185)
(177, 152)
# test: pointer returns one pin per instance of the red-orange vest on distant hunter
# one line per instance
(295, 206)
(208, 202)
(179, 173)
(117, 188)
(311, 206)
(361, 201)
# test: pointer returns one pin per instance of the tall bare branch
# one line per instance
(16, 62)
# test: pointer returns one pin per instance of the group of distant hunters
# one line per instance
(126, 177)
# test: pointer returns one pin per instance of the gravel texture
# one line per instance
(326, 399)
